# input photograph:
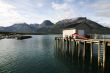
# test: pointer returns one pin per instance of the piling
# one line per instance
(98, 53)
(73, 47)
(104, 54)
(84, 51)
(91, 52)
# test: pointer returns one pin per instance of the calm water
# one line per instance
(36, 55)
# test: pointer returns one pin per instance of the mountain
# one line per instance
(47, 27)
(79, 23)
(47, 24)
(27, 28)
(2, 28)
(71, 22)
(20, 27)
(35, 25)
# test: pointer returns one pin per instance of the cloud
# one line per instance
(63, 7)
(103, 14)
(20, 11)
(100, 8)
(40, 5)
(101, 5)
(9, 14)
(69, 0)
(63, 10)
(5, 6)
(35, 11)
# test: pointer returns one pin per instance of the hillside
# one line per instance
(28, 28)
(80, 23)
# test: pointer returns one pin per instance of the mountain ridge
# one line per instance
(47, 26)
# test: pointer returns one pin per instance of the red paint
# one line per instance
(80, 36)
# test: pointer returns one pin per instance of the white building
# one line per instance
(70, 31)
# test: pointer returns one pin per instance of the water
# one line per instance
(37, 55)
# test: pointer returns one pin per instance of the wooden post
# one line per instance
(78, 48)
(73, 47)
(84, 51)
(57, 43)
(104, 54)
(66, 44)
(99, 53)
(57, 46)
(69, 45)
(91, 52)
(60, 43)
(63, 45)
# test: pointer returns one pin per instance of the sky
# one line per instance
(36, 11)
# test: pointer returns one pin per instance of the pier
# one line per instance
(84, 49)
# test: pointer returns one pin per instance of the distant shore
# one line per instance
(22, 33)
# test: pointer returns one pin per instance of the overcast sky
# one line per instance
(36, 11)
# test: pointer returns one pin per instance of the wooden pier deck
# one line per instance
(74, 46)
